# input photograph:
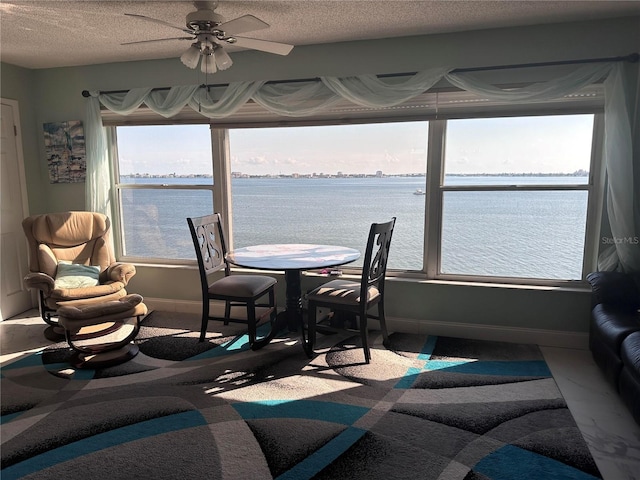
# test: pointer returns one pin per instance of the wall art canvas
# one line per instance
(64, 147)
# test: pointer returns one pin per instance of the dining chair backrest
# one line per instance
(348, 297)
(234, 291)
(209, 242)
(374, 268)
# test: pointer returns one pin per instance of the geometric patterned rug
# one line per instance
(428, 407)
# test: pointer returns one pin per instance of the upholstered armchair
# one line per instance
(71, 263)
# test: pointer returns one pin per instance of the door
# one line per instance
(14, 298)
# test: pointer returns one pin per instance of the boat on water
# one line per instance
(419, 191)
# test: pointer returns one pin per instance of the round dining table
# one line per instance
(292, 258)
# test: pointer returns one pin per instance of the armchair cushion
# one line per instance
(75, 317)
(47, 261)
(97, 291)
(118, 272)
(72, 275)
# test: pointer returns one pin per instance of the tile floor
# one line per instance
(606, 424)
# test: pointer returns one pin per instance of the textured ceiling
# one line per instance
(45, 34)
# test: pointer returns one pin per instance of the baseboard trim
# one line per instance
(547, 338)
(183, 306)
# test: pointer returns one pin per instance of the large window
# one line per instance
(485, 198)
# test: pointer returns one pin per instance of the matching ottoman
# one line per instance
(101, 334)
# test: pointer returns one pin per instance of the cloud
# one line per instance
(390, 159)
(286, 161)
(257, 160)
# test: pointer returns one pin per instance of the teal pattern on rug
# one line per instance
(532, 368)
(224, 411)
(103, 441)
(507, 464)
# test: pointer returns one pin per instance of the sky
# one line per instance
(556, 144)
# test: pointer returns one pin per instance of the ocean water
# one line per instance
(516, 233)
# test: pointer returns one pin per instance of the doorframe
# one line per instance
(15, 107)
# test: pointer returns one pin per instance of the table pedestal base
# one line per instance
(294, 299)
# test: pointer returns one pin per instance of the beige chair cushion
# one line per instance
(55, 302)
(78, 237)
(343, 292)
(246, 286)
(69, 229)
(64, 294)
(73, 318)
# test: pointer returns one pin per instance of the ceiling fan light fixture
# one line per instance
(191, 56)
(209, 32)
(208, 64)
(223, 60)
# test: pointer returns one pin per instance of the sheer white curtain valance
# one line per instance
(299, 99)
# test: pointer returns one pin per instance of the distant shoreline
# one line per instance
(579, 173)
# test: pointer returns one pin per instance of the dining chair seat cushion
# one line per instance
(246, 286)
(344, 292)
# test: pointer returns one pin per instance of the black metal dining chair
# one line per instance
(357, 296)
(235, 290)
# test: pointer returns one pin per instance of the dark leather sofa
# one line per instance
(614, 335)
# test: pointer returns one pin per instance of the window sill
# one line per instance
(576, 286)
(582, 287)
(410, 277)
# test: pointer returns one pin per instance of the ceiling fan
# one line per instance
(209, 32)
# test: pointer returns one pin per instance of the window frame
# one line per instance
(118, 214)
(587, 103)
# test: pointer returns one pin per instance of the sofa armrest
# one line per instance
(39, 281)
(118, 272)
(615, 288)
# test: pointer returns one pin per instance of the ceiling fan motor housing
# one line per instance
(203, 20)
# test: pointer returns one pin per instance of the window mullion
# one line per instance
(220, 154)
(433, 207)
(117, 230)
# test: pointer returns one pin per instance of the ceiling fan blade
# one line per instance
(155, 20)
(263, 45)
(246, 23)
(158, 40)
